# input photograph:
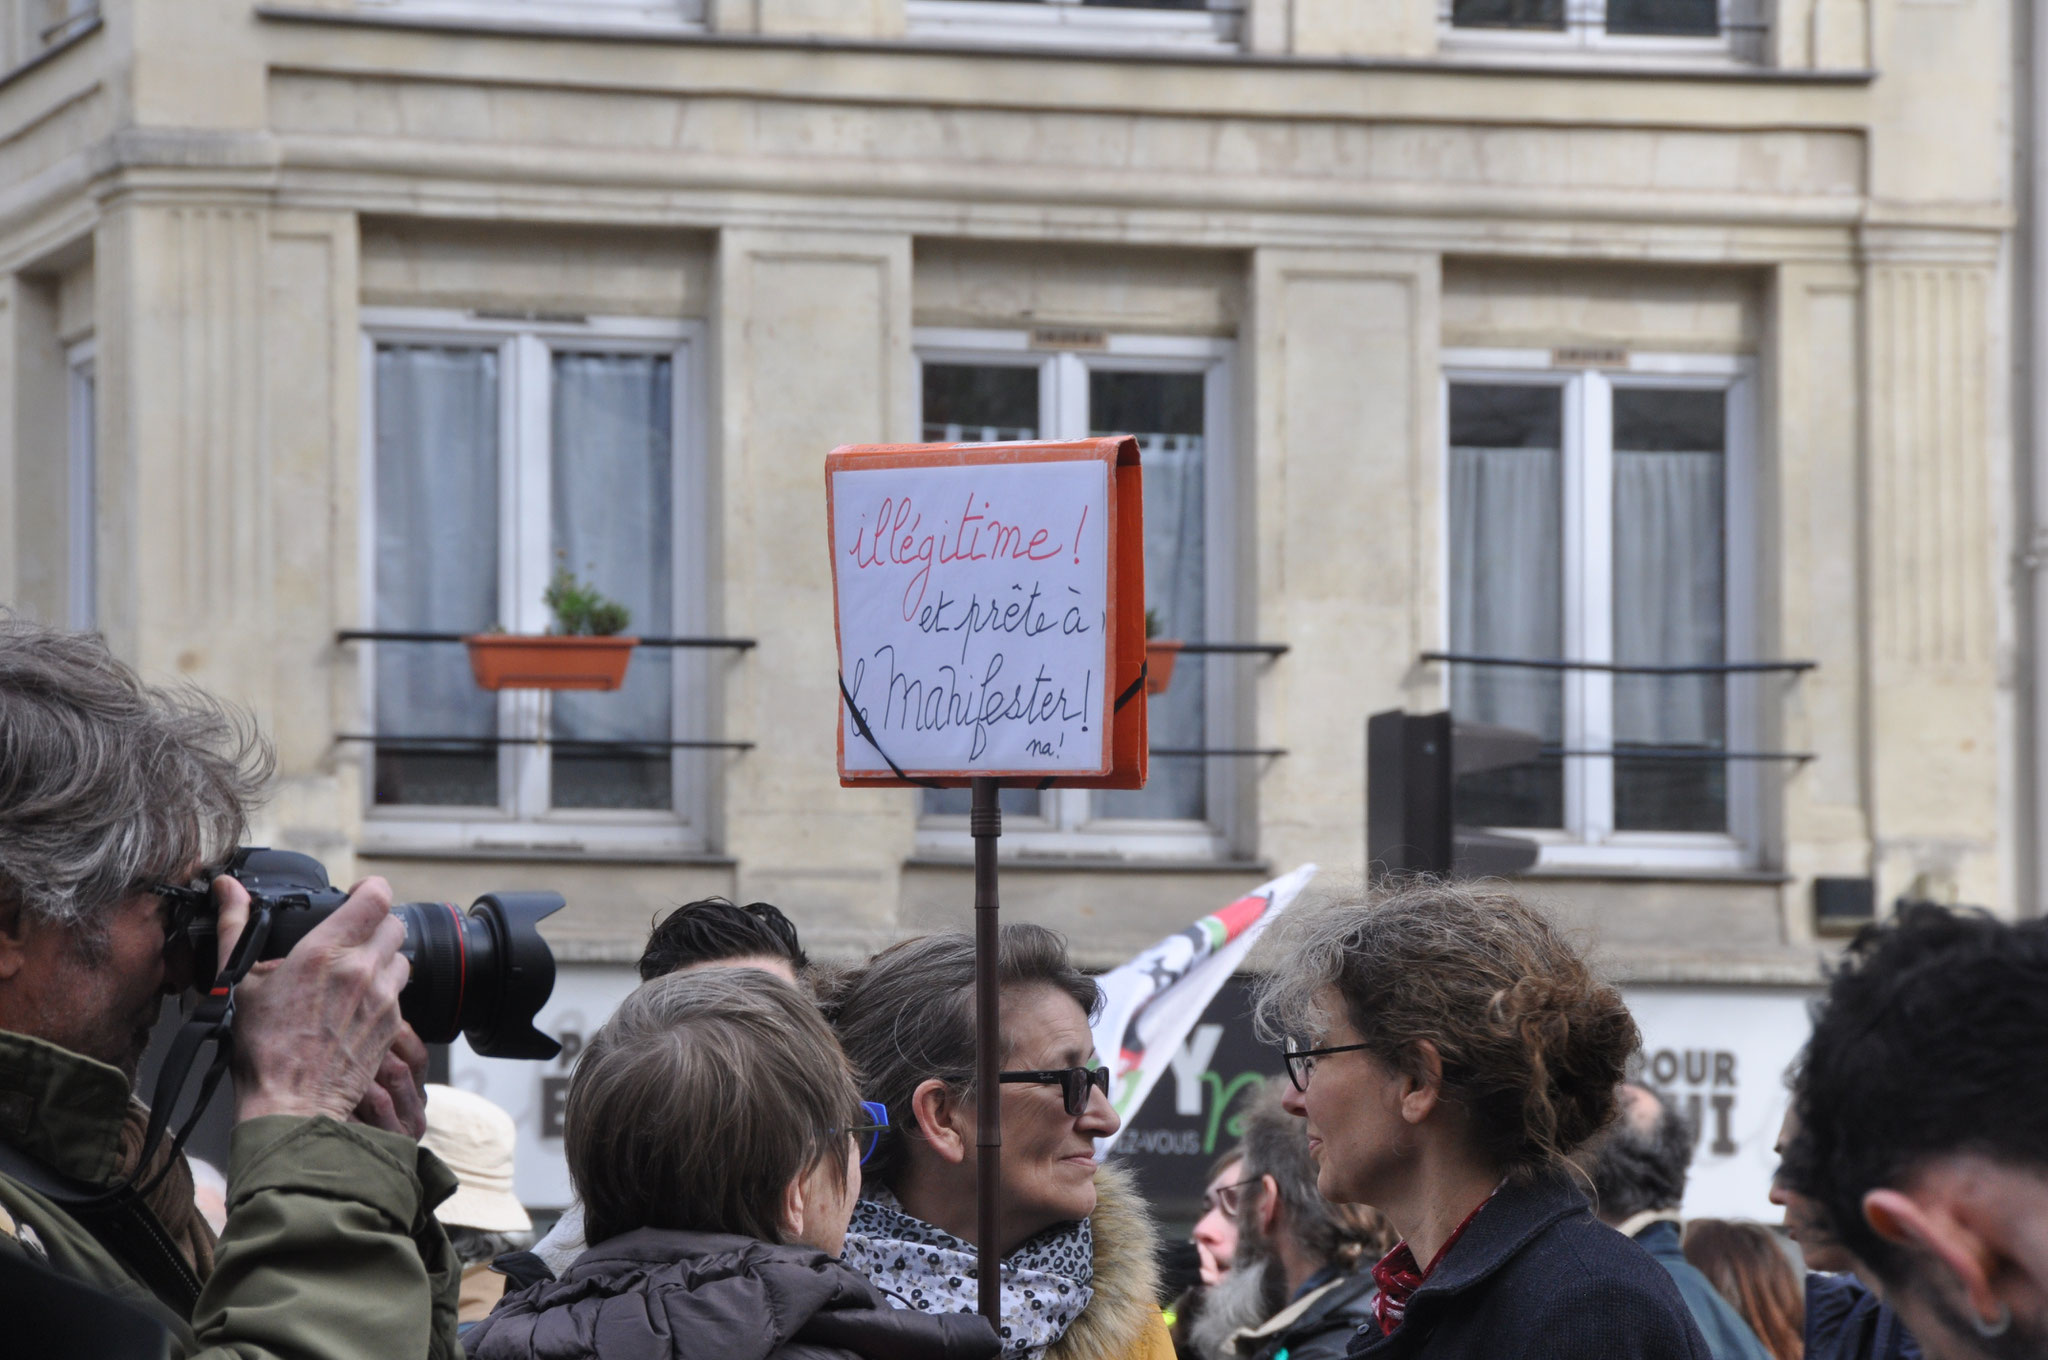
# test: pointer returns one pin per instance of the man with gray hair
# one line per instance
(113, 794)
(1301, 1282)
(1638, 1170)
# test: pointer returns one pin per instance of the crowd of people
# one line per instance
(776, 1158)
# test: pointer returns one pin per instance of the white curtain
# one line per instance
(612, 502)
(1176, 589)
(436, 564)
(1669, 597)
(1506, 585)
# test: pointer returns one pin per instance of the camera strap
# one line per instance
(212, 1021)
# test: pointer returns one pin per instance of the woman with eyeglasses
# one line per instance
(714, 1136)
(1078, 1277)
(1447, 1050)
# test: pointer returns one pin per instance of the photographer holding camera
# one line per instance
(114, 796)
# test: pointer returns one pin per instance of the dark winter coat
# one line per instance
(1845, 1321)
(1537, 1276)
(1728, 1336)
(652, 1294)
(1322, 1330)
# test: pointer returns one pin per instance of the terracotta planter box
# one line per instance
(1159, 659)
(509, 661)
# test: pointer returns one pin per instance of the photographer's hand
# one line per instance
(397, 1099)
(313, 1030)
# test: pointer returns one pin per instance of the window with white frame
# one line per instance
(499, 452)
(82, 487)
(600, 14)
(1214, 24)
(1680, 29)
(1173, 394)
(1597, 516)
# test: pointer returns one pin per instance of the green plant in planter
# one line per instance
(582, 610)
(1151, 624)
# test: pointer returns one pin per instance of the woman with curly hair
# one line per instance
(1448, 1049)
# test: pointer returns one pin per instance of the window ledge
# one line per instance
(1097, 864)
(368, 848)
(1651, 873)
(935, 47)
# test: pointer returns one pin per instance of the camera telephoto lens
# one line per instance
(483, 974)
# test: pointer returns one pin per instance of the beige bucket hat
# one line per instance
(475, 1138)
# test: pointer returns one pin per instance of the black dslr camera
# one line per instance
(483, 974)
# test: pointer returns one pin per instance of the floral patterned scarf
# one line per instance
(1045, 1282)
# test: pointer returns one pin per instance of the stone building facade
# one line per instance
(1623, 332)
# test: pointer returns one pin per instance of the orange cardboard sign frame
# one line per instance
(1124, 698)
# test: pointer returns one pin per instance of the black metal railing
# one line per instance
(1623, 668)
(410, 635)
(571, 745)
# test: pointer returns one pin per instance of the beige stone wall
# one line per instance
(216, 196)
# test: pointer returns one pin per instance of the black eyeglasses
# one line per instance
(1072, 1081)
(1301, 1062)
(867, 1135)
(1226, 1199)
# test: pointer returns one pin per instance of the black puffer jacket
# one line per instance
(658, 1295)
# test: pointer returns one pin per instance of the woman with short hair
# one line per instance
(1078, 1277)
(714, 1136)
(1447, 1049)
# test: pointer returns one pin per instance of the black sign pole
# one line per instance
(985, 821)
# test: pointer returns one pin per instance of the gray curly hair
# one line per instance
(108, 784)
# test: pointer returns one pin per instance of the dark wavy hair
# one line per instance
(712, 928)
(1532, 1043)
(1932, 1038)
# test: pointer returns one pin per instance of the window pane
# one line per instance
(436, 569)
(1670, 606)
(612, 490)
(1164, 411)
(1507, 590)
(980, 403)
(1670, 18)
(1508, 14)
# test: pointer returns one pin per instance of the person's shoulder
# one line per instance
(1589, 1281)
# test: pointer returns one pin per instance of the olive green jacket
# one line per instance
(331, 1248)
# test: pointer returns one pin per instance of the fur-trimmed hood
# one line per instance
(1126, 1304)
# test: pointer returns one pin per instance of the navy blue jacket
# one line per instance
(1537, 1276)
(1845, 1321)
(1727, 1335)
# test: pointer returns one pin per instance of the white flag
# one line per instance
(1152, 1003)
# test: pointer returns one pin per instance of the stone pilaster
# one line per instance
(813, 350)
(1343, 474)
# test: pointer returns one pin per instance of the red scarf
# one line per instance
(1398, 1278)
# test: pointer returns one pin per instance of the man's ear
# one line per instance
(1269, 1208)
(1421, 1092)
(14, 929)
(1932, 1228)
(940, 1120)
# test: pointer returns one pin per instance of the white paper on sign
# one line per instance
(973, 616)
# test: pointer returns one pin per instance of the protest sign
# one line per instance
(990, 610)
